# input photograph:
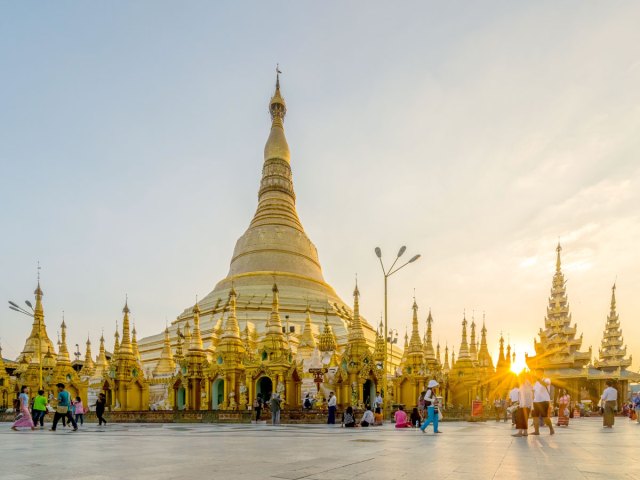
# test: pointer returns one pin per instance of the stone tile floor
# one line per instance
(318, 452)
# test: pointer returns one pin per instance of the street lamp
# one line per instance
(387, 274)
(392, 339)
(16, 308)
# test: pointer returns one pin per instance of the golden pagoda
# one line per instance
(125, 385)
(357, 376)
(558, 348)
(196, 360)
(431, 359)
(412, 381)
(464, 381)
(274, 246)
(63, 372)
(88, 367)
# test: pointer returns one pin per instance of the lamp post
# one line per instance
(392, 339)
(16, 308)
(387, 274)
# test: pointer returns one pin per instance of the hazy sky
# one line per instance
(477, 133)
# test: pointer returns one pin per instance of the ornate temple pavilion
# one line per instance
(558, 351)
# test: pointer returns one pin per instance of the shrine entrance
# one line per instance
(264, 386)
(217, 393)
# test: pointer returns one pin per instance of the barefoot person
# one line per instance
(609, 402)
(39, 409)
(23, 419)
(541, 400)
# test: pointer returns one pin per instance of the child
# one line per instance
(79, 410)
(39, 408)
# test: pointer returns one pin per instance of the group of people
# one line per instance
(70, 411)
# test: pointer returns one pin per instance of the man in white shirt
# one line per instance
(541, 400)
(609, 402)
(367, 418)
(514, 394)
(332, 403)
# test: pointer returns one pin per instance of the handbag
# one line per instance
(62, 410)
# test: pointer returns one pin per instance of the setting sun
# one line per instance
(519, 364)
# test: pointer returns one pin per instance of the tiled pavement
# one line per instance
(319, 452)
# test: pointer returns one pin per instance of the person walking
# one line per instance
(525, 402)
(23, 418)
(79, 411)
(609, 402)
(636, 406)
(275, 409)
(431, 402)
(332, 404)
(63, 409)
(100, 405)
(541, 400)
(564, 400)
(257, 406)
(514, 395)
(39, 408)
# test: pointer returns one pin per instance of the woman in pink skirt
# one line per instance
(24, 416)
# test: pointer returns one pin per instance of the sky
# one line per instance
(477, 134)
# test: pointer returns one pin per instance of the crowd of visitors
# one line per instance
(30, 413)
(529, 401)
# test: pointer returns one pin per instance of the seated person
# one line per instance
(348, 418)
(401, 418)
(416, 420)
(367, 418)
(377, 417)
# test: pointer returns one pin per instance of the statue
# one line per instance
(243, 397)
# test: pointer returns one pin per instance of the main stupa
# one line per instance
(274, 249)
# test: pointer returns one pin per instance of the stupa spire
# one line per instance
(126, 350)
(63, 352)
(196, 338)
(612, 352)
(356, 333)
(464, 345)
(166, 365)
(232, 328)
(307, 340)
(473, 347)
(415, 345)
(88, 366)
(429, 354)
(327, 337)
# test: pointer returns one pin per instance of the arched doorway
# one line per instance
(369, 393)
(181, 397)
(264, 386)
(217, 394)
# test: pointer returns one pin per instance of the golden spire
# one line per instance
(356, 333)
(276, 146)
(116, 344)
(134, 345)
(307, 340)
(38, 330)
(484, 357)
(101, 364)
(125, 346)
(327, 338)
(415, 345)
(445, 367)
(274, 324)
(231, 328)
(196, 339)
(464, 345)
(89, 366)
(166, 365)
(613, 300)
(379, 352)
(558, 262)
(473, 347)
(63, 353)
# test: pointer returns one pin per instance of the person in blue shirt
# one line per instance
(63, 410)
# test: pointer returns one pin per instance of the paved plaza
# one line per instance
(320, 452)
